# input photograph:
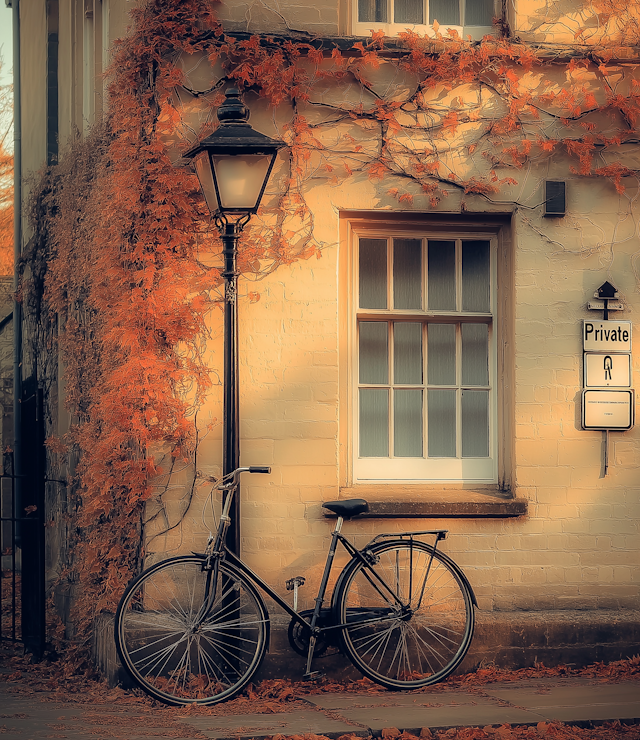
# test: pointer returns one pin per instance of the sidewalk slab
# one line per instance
(413, 719)
(547, 695)
(263, 725)
(38, 717)
(351, 701)
(596, 702)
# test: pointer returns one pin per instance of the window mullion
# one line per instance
(392, 382)
(458, 350)
(390, 304)
(390, 339)
(458, 275)
(459, 390)
(425, 390)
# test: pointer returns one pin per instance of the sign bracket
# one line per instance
(607, 365)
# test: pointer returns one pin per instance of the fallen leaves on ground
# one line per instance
(282, 695)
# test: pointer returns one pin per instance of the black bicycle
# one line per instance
(194, 628)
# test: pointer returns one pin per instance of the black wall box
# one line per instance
(555, 201)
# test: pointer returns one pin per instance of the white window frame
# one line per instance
(391, 29)
(423, 470)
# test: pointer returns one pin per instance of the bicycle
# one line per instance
(194, 628)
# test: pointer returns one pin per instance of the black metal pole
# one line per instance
(231, 406)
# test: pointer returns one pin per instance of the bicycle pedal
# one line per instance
(314, 676)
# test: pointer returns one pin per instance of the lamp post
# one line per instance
(233, 166)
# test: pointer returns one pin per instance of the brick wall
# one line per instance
(578, 546)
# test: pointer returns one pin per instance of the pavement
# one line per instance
(31, 714)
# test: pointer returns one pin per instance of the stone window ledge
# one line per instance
(418, 502)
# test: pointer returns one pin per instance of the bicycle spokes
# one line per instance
(422, 640)
(181, 651)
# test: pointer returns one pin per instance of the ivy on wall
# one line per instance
(125, 263)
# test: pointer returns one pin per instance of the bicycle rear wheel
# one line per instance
(415, 630)
(174, 654)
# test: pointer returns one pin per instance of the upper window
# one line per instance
(424, 392)
(468, 17)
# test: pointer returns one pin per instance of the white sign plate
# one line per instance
(606, 336)
(607, 409)
(602, 370)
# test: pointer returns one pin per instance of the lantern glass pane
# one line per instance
(240, 178)
(203, 170)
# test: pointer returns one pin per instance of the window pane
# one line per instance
(374, 422)
(442, 423)
(475, 276)
(475, 423)
(407, 421)
(373, 273)
(408, 11)
(478, 13)
(407, 273)
(475, 354)
(441, 354)
(442, 275)
(446, 12)
(374, 352)
(407, 353)
(372, 10)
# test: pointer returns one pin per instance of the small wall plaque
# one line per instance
(608, 410)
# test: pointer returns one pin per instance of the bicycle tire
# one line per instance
(171, 658)
(416, 645)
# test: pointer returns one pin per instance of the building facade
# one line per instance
(430, 356)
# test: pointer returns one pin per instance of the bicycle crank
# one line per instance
(299, 634)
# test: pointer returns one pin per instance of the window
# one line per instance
(474, 17)
(424, 357)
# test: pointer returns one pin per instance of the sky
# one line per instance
(5, 42)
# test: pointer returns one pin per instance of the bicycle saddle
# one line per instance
(348, 508)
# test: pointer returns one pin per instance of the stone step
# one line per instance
(503, 639)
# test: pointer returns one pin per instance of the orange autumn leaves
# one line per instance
(122, 233)
(6, 180)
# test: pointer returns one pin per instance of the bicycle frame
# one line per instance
(218, 550)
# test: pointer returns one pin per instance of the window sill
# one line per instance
(418, 502)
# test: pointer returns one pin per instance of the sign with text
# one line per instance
(606, 336)
(603, 370)
(604, 409)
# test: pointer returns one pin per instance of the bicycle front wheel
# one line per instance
(176, 653)
(409, 614)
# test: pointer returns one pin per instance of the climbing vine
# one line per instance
(6, 180)
(125, 262)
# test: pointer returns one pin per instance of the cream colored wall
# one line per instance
(578, 547)
(569, 21)
(542, 21)
(321, 17)
(33, 76)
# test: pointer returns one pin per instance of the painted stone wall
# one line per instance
(578, 546)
